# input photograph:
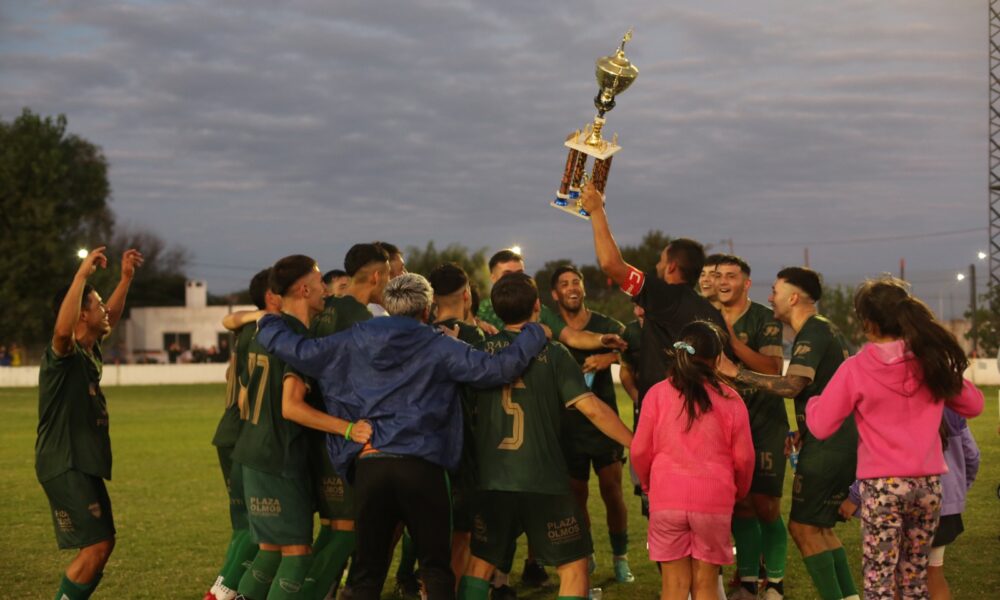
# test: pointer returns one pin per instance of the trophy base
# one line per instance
(570, 207)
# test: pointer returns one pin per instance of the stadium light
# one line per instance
(960, 277)
(515, 249)
(981, 255)
(82, 253)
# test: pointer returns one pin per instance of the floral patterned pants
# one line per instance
(899, 516)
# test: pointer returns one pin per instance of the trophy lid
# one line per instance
(614, 72)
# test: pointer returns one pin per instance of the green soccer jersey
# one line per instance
(818, 350)
(72, 415)
(229, 426)
(758, 329)
(578, 427)
(547, 317)
(518, 425)
(268, 442)
(339, 314)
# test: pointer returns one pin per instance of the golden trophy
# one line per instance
(614, 75)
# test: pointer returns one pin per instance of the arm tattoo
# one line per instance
(787, 386)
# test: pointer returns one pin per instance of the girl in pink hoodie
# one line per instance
(694, 457)
(897, 388)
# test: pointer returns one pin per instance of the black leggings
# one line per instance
(394, 489)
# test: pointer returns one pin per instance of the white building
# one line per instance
(149, 331)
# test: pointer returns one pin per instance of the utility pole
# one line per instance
(972, 305)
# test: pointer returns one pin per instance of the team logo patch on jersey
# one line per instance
(802, 348)
(95, 509)
(772, 330)
(63, 521)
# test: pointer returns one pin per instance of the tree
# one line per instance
(987, 323)
(425, 260)
(54, 195)
(160, 281)
(838, 306)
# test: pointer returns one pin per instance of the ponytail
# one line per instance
(693, 366)
(887, 304)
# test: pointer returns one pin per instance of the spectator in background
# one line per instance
(16, 358)
(4, 357)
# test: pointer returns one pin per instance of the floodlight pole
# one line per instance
(994, 148)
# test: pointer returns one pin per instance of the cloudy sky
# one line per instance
(244, 131)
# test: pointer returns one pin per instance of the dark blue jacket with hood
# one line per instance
(403, 376)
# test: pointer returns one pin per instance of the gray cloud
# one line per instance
(248, 130)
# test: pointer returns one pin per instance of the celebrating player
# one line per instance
(523, 478)
(73, 449)
(825, 470)
(755, 337)
(584, 444)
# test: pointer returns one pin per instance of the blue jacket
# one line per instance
(401, 375)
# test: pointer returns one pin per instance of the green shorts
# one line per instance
(769, 465)
(582, 451)
(556, 530)
(234, 487)
(280, 508)
(822, 480)
(334, 496)
(81, 509)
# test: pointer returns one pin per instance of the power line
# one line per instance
(885, 238)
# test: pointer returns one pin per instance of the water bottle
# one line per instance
(793, 456)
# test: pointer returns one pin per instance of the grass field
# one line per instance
(172, 513)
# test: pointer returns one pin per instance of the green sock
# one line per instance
(243, 552)
(843, 569)
(228, 560)
(619, 543)
(291, 576)
(824, 575)
(407, 557)
(775, 541)
(322, 539)
(473, 588)
(76, 591)
(257, 579)
(328, 565)
(749, 543)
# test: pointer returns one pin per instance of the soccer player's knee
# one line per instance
(100, 552)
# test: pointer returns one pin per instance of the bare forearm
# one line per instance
(116, 303)
(235, 320)
(755, 361)
(298, 411)
(581, 340)
(609, 257)
(628, 382)
(787, 386)
(69, 314)
(605, 419)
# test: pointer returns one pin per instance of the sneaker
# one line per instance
(407, 588)
(504, 592)
(623, 574)
(533, 574)
(742, 593)
(773, 594)
(591, 564)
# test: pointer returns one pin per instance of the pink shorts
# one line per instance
(675, 534)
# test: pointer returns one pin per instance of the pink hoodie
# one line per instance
(897, 416)
(702, 469)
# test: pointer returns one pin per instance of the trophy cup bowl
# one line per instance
(614, 75)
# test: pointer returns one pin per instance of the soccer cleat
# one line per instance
(773, 594)
(742, 593)
(623, 574)
(504, 592)
(209, 596)
(533, 574)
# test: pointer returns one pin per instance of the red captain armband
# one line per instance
(633, 281)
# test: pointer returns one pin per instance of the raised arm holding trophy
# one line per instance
(614, 75)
